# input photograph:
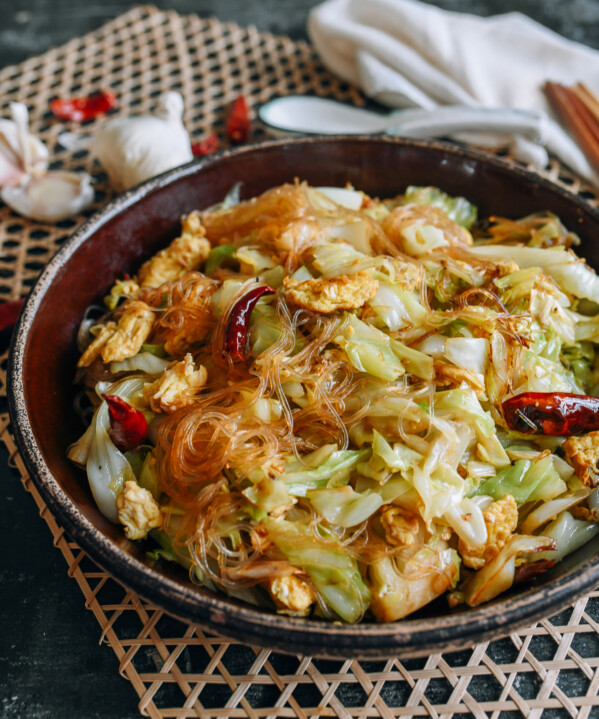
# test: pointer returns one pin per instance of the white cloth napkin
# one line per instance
(405, 53)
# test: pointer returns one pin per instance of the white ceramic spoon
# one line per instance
(317, 115)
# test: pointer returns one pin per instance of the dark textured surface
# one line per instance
(29, 27)
(50, 662)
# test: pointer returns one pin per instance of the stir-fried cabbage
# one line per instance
(316, 379)
(107, 467)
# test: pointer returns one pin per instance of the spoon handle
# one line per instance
(457, 118)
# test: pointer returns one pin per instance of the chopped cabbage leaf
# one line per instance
(526, 480)
(107, 467)
(343, 506)
(571, 274)
(400, 588)
(333, 472)
(458, 209)
(569, 534)
(333, 572)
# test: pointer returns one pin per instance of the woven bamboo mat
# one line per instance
(550, 669)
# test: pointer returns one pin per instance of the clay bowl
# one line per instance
(135, 225)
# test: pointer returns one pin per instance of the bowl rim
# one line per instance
(219, 613)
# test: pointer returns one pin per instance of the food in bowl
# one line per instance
(340, 406)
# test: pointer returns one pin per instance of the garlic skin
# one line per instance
(50, 197)
(16, 160)
(133, 149)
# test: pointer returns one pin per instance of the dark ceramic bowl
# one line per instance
(136, 225)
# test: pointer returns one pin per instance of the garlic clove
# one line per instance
(50, 197)
(133, 149)
(12, 162)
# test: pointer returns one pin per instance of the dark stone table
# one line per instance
(42, 614)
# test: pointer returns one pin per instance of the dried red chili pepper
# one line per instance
(238, 122)
(79, 109)
(207, 146)
(236, 332)
(128, 426)
(552, 413)
(9, 313)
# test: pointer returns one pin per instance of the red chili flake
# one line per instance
(530, 571)
(208, 146)
(9, 314)
(238, 122)
(128, 426)
(552, 413)
(79, 109)
(236, 332)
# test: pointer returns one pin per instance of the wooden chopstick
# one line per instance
(575, 112)
(587, 97)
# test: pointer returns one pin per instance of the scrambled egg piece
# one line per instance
(121, 288)
(176, 387)
(502, 267)
(184, 254)
(584, 513)
(117, 342)
(137, 510)
(448, 375)
(501, 519)
(583, 453)
(401, 527)
(346, 292)
(291, 595)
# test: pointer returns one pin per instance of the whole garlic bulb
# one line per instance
(50, 197)
(26, 184)
(133, 149)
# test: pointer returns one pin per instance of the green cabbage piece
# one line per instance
(265, 328)
(463, 405)
(231, 199)
(343, 506)
(120, 290)
(572, 275)
(396, 307)
(156, 350)
(334, 574)
(569, 534)
(107, 467)
(141, 362)
(587, 328)
(526, 480)
(335, 471)
(401, 587)
(458, 209)
(180, 555)
(148, 476)
(166, 550)
(372, 351)
(335, 258)
(579, 359)
(257, 260)
(219, 256)
(268, 494)
(542, 375)
(386, 460)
